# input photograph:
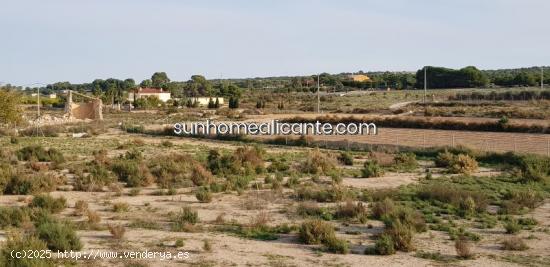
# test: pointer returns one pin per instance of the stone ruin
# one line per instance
(91, 110)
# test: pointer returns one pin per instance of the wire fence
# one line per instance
(399, 137)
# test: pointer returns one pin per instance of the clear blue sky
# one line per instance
(77, 41)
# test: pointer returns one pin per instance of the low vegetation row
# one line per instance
(423, 123)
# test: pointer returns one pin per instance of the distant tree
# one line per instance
(233, 102)
(146, 83)
(217, 104)
(198, 86)
(159, 79)
(211, 103)
(10, 113)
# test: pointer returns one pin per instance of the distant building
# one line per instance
(51, 96)
(359, 77)
(203, 101)
(148, 92)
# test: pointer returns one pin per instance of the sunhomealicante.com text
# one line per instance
(273, 127)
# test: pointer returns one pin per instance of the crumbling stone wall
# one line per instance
(91, 110)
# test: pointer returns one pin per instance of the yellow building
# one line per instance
(359, 78)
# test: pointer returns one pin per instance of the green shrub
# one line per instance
(25, 184)
(20, 242)
(38, 153)
(444, 159)
(185, 217)
(371, 169)
(204, 195)
(133, 172)
(314, 210)
(534, 168)
(315, 232)
(336, 245)
(384, 245)
(98, 176)
(49, 203)
(13, 216)
(406, 161)
(59, 236)
(346, 158)
(512, 226)
(172, 170)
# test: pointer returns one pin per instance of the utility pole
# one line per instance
(541, 78)
(38, 102)
(425, 84)
(318, 98)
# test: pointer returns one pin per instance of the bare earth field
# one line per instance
(148, 226)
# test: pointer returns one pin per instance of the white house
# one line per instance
(147, 92)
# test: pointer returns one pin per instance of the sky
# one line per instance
(82, 40)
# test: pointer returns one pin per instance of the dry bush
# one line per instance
(317, 163)
(93, 217)
(121, 207)
(382, 208)
(204, 195)
(351, 210)
(206, 246)
(401, 235)
(172, 170)
(514, 243)
(463, 163)
(444, 159)
(96, 177)
(117, 231)
(383, 159)
(250, 155)
(133, 172)
(463, 248)
(260, 220)
(80, 207)
(315, 231)
(200, 176)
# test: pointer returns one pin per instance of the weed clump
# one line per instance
(49, 203)
(117, 231)
(204, 195)
(315, 232)
(514, 243)
(20, 242)
(463, 248)
(345, 158)
(384, 245)
(59, 236)
(132, 171)
(38, 153)
(371, 168)
(184, 219)
(405, 161)
(317, 163)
